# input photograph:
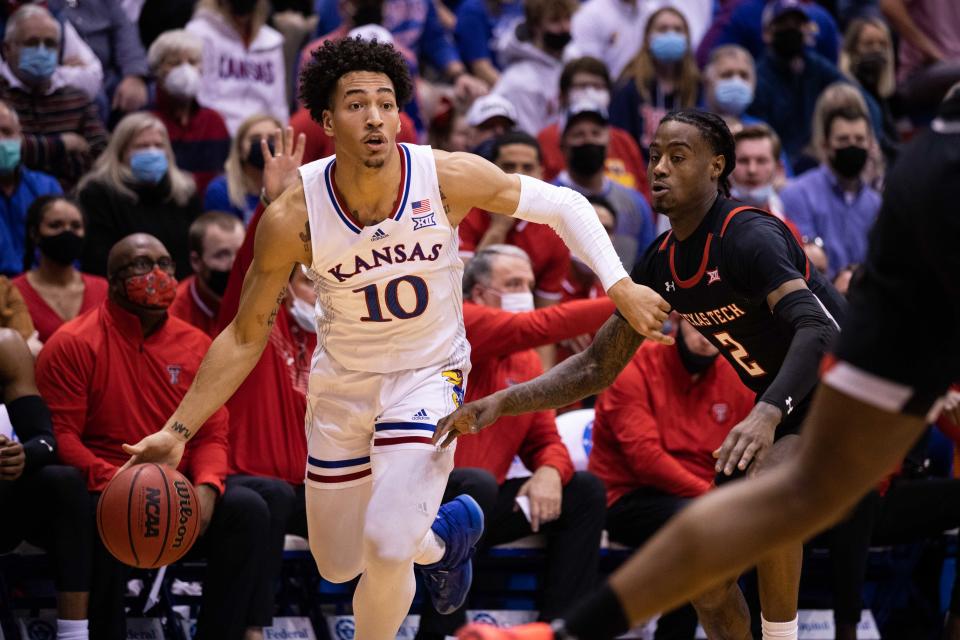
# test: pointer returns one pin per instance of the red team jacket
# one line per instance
(549, 256)
(191, 309)
(501, 353)
(106, 385)
(657, 427)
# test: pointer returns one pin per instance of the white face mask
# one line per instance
(183, 81)
(593, 95)
(515, 302)
(304, 314)
(758, 196)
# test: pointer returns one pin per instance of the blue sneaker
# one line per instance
(459, 524)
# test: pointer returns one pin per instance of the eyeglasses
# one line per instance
(144, 265)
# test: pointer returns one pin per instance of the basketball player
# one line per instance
(376, 226)
(874, 402)
(739, 276)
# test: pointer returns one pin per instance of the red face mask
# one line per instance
(155, 290)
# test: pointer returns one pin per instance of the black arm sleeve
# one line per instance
(30, 418)
(813, 333)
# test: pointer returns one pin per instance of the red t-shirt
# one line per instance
(656, 426)
(548, 254)
(191, 309)
(501, 353)
(107, 385)
(624, 162)
(573, 289)
(267, 427)
(45, 319)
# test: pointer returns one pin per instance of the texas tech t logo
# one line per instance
(174, 371)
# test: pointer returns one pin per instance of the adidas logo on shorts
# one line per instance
(378, 235)
(421, 415)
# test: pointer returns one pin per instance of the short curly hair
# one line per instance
(333, 60)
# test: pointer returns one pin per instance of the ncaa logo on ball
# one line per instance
(151, 512)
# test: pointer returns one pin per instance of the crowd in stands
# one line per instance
(139, 139)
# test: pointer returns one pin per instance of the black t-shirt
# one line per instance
(718, 279)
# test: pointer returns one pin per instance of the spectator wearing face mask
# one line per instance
(663, 76)
(198, 134)
(867, 57)
(489, 117)
(587, 78)
(759, 172)
(20, 187)
(565, 506)
(54, 290)
(214, 239)
(833, 202)
(136, 187)
(237, 190)
(532, 54)
(480, 22)
(62, 132)
(654, 435)
(585, 139)
(243, 67)
(790, 77)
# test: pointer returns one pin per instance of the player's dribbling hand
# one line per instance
(644, 309)
(750, 440)
(469, 418)
(164, 447)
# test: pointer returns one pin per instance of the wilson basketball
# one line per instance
(148, 516)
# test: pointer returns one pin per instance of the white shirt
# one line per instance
(389, 296)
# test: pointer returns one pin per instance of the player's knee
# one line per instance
(335, 567)
(385, 544)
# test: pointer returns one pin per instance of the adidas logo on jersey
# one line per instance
(379, 234)
(421, 415)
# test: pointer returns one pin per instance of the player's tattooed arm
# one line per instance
(276, 309)
(443, 200)
(305, 235)
(577, 377)
(582, 375)
(182, 429)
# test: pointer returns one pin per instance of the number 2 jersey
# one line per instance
(718, 279)
(390, 294)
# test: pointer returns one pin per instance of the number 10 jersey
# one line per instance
(390, 294)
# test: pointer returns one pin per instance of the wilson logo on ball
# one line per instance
(186, 511)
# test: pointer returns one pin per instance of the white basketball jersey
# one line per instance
(389, 295)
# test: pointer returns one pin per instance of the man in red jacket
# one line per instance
(654, 435)
(565, 506)
(110, 376)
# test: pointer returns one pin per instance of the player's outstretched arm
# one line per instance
(282, 241)
(579, 376)
(467, 181)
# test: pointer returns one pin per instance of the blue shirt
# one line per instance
(13, 216)
(476, 28)
(217, 198)
(820, 208)
(635, 230)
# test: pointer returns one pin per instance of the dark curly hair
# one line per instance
(715, 131)
(333, 60)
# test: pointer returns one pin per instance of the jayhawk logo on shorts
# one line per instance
(455, 377)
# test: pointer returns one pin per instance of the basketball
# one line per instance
(148, 516)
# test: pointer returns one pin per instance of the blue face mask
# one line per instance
(669, 46)
(9, 155)
(733, 95)
(148, 165)
(38, 63)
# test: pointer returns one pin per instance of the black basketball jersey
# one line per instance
(718, 279)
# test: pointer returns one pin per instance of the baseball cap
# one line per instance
(490, 106)
(778, 8)
(583, 107)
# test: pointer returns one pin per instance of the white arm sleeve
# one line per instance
(575, 221)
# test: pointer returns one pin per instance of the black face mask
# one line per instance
(367, 12)
(217, 280)
(255, 156)
(849, 161)
(62, 248)
(587, 159)
(556, 41)
(787, 43)
(692, 362)
(241, 7)
(869, 68)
